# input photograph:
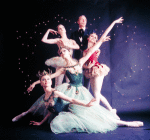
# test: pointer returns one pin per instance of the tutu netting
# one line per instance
(39, 108)
(95, 119)
(56, 62)
(99, 70)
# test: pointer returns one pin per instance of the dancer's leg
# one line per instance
(18, 117)
(96, 84)
(129, 124)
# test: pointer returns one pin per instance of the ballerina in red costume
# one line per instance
(92, 67)
(96, 71)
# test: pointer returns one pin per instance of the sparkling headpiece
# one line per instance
(40, 74)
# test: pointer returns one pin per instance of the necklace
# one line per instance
(46, 100)
(76, 73)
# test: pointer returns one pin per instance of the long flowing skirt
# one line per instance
(80, 93)
(94, 119)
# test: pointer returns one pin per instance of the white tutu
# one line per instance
(97, 71)
(56, 62)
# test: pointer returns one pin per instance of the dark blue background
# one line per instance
(127, 86)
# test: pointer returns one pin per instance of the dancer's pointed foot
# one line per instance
(135, 124)
(18, 117)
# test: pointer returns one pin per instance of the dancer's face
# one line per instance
(82, 21)
(92, 38)
(46, 81)
(64, 53)
(61, 29)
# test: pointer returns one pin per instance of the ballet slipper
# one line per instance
(18, 117)
(135, 124)
(139, 123)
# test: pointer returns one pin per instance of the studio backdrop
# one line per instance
(127, 86)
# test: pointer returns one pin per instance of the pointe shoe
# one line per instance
(18, 117)
(14, 119)
(135, 124)
(139, 123)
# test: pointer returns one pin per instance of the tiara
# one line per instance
(40, 74)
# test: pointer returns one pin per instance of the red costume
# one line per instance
(98, 69)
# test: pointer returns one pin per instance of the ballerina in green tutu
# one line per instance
(82, 116)
(48, 103)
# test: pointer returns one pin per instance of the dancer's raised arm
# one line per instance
(50, 41)
(56, 74)
(120, 20)
(103, 38)
(61, 42)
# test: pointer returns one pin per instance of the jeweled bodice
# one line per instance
(75, 78)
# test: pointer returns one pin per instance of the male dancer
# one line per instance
(80, 36)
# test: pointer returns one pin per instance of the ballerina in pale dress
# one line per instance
(57, 61)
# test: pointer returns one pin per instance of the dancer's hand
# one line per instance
(35, 123)
(91, 64)
(119, 20)
(31, 88)
(107, 38)
(91, 103)
(98, 53)
(53, 31)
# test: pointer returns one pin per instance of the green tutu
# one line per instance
(93, 119)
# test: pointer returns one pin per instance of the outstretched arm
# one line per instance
(73, 101)
(56, 74)
(120, 20)
(49, 41)
(40, 123)
(100, 41)
(33, 85)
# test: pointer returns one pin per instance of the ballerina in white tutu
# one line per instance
(58, 62)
